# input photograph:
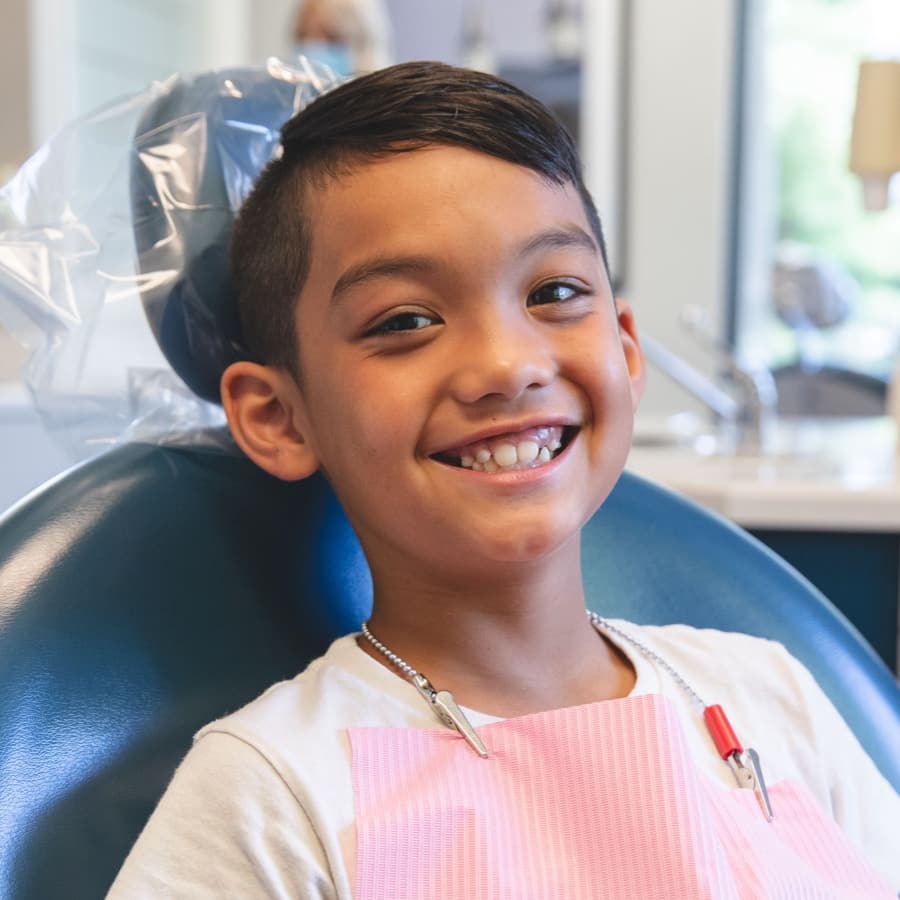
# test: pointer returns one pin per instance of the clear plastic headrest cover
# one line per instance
(113, 253)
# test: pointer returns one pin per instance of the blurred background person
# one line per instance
(347, 35)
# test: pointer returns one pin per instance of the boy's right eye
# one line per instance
(402, 322)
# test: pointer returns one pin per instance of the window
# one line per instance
(798, 203)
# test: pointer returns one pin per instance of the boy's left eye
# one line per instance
(554, 292)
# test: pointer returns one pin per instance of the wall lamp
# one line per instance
(875, 141)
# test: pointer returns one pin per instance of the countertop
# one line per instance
(820, 474)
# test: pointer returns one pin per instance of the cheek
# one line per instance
(360, 428)
(598, 365)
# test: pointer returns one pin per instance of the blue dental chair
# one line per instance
(154, 588)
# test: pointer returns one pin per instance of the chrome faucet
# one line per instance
(745, 411)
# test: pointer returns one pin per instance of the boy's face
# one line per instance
(456, 303)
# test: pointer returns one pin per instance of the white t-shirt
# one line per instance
(262, 806)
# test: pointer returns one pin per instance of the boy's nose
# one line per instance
(502, 362)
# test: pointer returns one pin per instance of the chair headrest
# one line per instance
(198, 149)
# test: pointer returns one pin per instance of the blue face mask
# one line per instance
(335, 56)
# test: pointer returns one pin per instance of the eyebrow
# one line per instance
(571, 237)
(381, 267)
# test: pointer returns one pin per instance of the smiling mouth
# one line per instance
(511, 452)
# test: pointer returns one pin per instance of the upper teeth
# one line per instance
(507, 455)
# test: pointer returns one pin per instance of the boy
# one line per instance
(423, 283)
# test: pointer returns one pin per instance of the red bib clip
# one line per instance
(721, 732)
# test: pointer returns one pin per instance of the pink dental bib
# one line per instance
(585, 803)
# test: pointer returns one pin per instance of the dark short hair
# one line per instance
(397, 109)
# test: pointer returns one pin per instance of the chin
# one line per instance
(528, 545)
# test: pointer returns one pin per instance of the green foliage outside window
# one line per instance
(813, 48)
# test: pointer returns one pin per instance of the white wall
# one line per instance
(426, 29)
(682, 58)
(269, 27)
(15, 133)
(86, 52)
(14, 94)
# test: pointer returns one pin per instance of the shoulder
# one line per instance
(678, 635)
(311, 708)
(280, 767)
(335, 690)
(774, 700)
(327, 682)
(227, 803)
(728, 660)
(771, 699)
(299, 727)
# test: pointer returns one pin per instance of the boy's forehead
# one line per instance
(434, 168)
(432, 198)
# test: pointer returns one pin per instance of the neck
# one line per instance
(508, 645)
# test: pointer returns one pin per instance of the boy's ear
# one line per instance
(267, 418)
(631, 345)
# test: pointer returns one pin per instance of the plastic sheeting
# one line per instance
(113, 254)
